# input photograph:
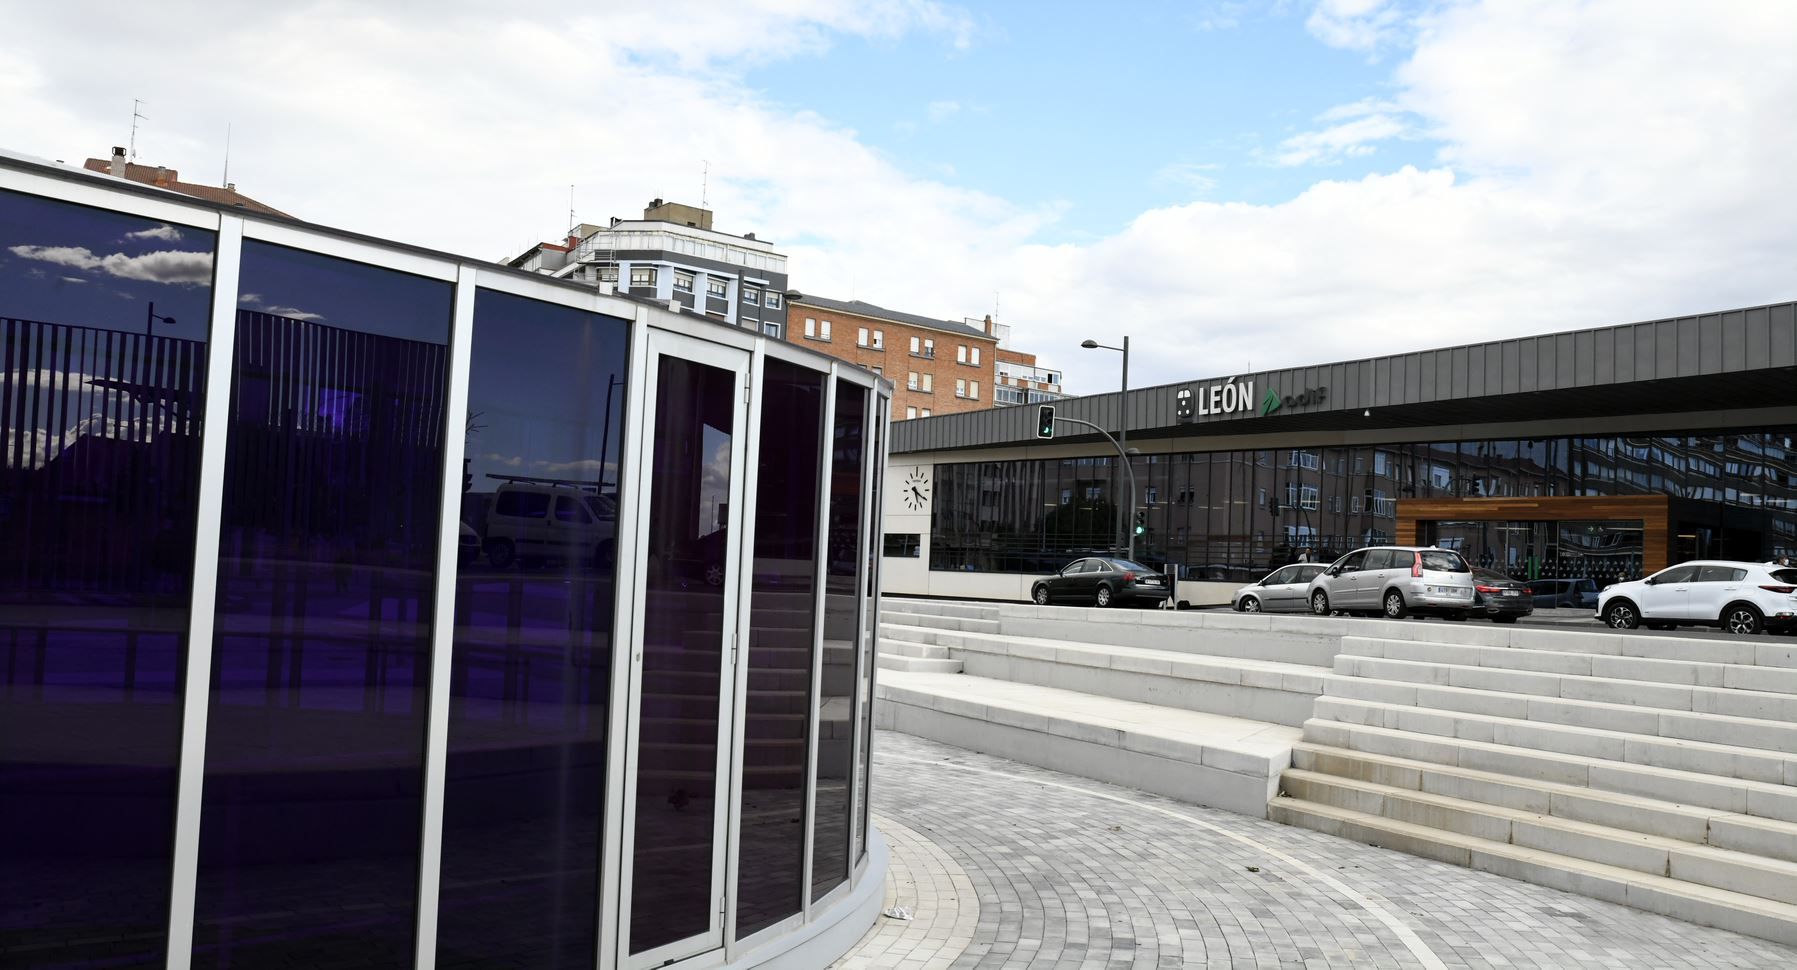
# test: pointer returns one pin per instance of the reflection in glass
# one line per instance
(99, 465)
(870, 632)
(530, 683)
(332, 494)
(771, 830)
(842, 596)
(683, 653)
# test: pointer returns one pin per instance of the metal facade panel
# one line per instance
(1690, 346)
(1625, 354)
(1565, 361)
(1458, 387)
(1758, 335)
(1783, 324)
(1665, 348)
(1494, 369)
(1647, 354)
(1525, 349)
(1382, 382)
(1709, 343)
(1603, 357)
(1475, 372)
(1584, 358)
(1444, 374)
(1546, 377)
(1734, 341)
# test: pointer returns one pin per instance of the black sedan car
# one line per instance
(1498, 598)
(1101, 582)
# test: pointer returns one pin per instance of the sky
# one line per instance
(1236, 185)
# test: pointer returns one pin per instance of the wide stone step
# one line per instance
(1688, 823)
(1734, 911)
(1694, 673)
(1310, 641)
(1763, 705)
(1705, 865)
(1728, 761)
(1223, 762)
(927, 665)
(938, 622)
(1735, 795)
(1712, 728)
(978, 611)
(912, 648)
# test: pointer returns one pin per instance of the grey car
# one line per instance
(1395, 581)
(1284, 590)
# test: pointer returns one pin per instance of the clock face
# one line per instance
(916, 491)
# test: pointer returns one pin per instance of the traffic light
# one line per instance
(1045, 421)
(1141, 522)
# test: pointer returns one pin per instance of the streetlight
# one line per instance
(151, 316)
(1123, 516)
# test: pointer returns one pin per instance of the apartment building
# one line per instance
(939, 366)
(167, 178)
(674, 257)
(1018, 379)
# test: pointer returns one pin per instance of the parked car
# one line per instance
(538, 522)
(1740, 597)
(1566, 594)
(1499, 598)
(1101, 581)
(1284, 590)
(469, 549)
(1396, 581)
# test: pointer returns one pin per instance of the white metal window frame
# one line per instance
(468, 277)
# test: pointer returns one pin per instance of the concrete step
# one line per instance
(1708, 906)
(1310, 641)
(1727, 761)
(911, 648)
(1223, 762)
(928, 665)
(1776, 801)
(978, 611)
(1688, 823)
(1762, 705)
(1713, 728)
(1694, 673)
(1704, 865)
(934, 621)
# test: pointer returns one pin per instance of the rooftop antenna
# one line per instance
(705, 184)
(136, 116)
(571, 222)
(226, 181)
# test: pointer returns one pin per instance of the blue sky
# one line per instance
(1108, 111)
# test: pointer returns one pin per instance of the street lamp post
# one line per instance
(1123, 515)
(150, 318)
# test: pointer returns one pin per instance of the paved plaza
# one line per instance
(1004, 865)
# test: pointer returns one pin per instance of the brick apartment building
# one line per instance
(939, 366)
(168, 178)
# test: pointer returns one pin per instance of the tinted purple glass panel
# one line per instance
(870, 631)
(770, 883)
(332, 493)
(99, 468)
(524, 808)
(688, 567)
(842, 598)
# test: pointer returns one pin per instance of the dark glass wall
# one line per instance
(770, 883)
(870, 628)
(104, 320)
(524, 803)
(1235, 515)
(309, 834)
(842, 598)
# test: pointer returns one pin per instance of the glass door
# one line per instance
(686, 590)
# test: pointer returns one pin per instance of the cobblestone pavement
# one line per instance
(1074, 873)
(937, 895)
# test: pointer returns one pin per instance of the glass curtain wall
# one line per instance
(530, 682)
(104, 323)
(870, 632)
(842, 600)
(770, 830)
(1235, 515)
(309, 835)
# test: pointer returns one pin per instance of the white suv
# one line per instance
(1740, 597)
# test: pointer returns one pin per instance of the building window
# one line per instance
(716, 287)
(911, 381)
(973, 389)
(811, 326)
(751, 296)
(860, 336)
(879, 340)
(910, 413)
(824, 329)
(608, 274)
(771, 328)
(904, 545)
(642, 276)
(683, 281)
(960, 388)
(929, 383)
(879, 370)
(929, 348)
(973, 356)
(926, 412)
(960, 353)
(773, 300)
(916, 348)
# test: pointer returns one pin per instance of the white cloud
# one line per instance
(166, 233)
(254, 301)
(1361, 25)
(165, 266)
(1345, 140)
(940, 111)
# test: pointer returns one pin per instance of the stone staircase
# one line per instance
(1657, 772)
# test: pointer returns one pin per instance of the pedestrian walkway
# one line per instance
(1066, 872)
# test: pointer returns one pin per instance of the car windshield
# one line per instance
(1443, 561)
(1488, 576)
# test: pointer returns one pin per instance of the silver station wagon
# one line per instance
(1395, 581)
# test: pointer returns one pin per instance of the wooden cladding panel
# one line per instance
(1654, 512)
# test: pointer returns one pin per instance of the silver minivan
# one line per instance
(1395, 581)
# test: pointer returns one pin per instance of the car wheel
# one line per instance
(1395, 609)
(1104, 596)
(501, 553)
(714, 574)
(1248, 604)
(1040, 595)
(1319, 603)
(1621, 616)
(1743, 619)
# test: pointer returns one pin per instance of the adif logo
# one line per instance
(1271, 403)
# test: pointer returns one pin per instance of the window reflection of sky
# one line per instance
(69, 264)
(341, 293)
(546, 384)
